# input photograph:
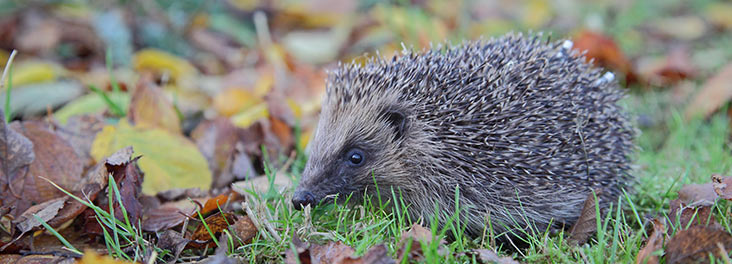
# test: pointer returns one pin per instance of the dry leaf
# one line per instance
(716, 92)
(244, 229)
(46, 211)
(216, 223)
(162, 62)
(151, 108)
(695, 244)
(697, 194)
(417, 236)
(605, 52)
(586, 224)
(653, 243)
(16, 155)
(488, 256)
(691, 216)
(129, 180)
(722, 186)
(375, 255)
(172, 241)
(168, 215)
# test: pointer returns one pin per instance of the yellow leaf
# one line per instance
(248, 117)
(232, 101)
(32, 72)
(150, 108)
(92, 257)
(168, 160)
(90, 103)
(162, 62)
(537, 13)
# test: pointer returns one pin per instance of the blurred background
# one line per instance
(260, 65)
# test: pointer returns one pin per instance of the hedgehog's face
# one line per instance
(356, 148)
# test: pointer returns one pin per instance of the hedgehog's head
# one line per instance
(359, 143)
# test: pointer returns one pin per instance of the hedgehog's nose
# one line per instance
(302, 199)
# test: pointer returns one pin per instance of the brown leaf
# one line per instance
(16, 155)
(603, 50)
(220, 142)
(172, 241)
(678, 66)
(695, 244)
(654, 243)
(244, 229)
(697, 194)
(722, 186)
(128, 178)
(417, 235)
(488, 256)
(150, 108)
(586, 224)
(80, 131)
(46, 211)
(216, 223)
(691, 216)
(55, 160)
(34, 259)
(168, 215)
(332, 252)
(375, 255)
(716, 92)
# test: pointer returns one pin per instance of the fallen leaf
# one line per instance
(79, 131)
(488, 256)
(92, 257)
(35, 259)
(375, 255)
(34, 99)
(653, 243)
(244, 229)
(678, 66)
(680, 27)
(222, 145)
(90, 104)
(234, 100)
(129, 180)
(586, 224)
(691, 215)
(716, 92)
(168, 215)
(718, 13)
(604, 51)
(16, 155)
(417, 236)
(150, 108)
(697, 194)
(172, 241)
(261, 184)
(161, 62)
(30, 72)
(696, 244)
(169, 160)
(332, 252)
(722, 186)
(54, 160)
(216, 223)
(46, 211)
(214, 203)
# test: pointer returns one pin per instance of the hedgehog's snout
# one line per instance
(303, 198)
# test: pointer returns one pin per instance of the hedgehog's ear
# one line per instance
(397, 121)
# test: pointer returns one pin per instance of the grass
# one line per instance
(672, 152)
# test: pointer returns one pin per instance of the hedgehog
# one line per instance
(516, 130)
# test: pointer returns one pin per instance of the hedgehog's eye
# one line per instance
(355, 157)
